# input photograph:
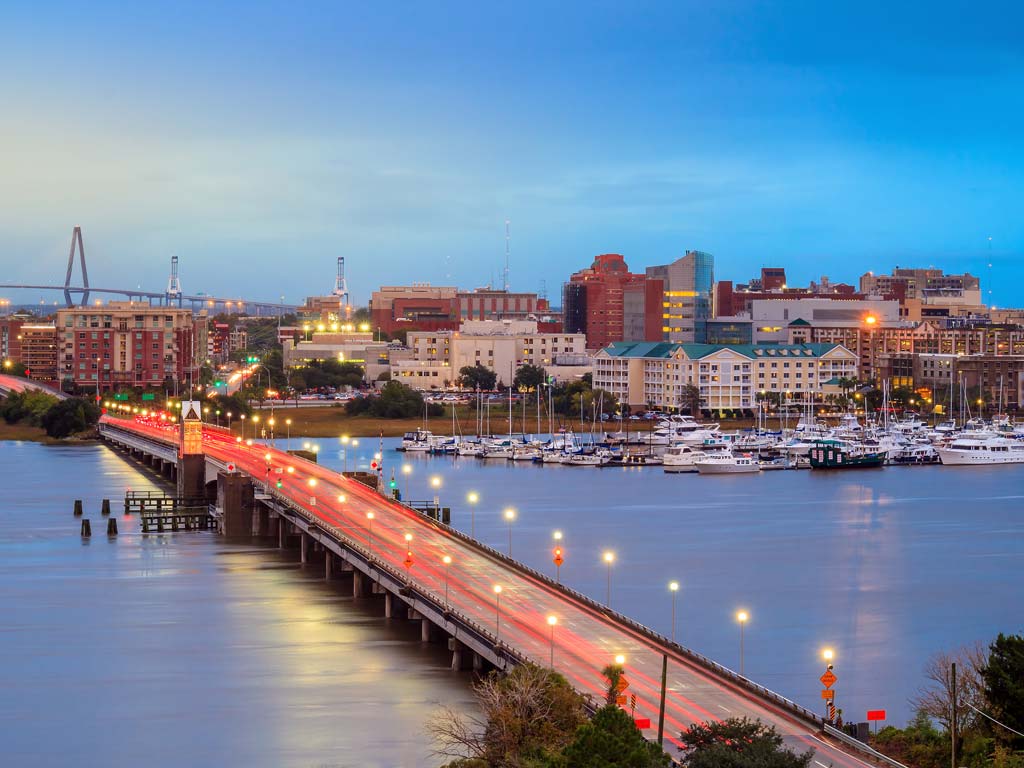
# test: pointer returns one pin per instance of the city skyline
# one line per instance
(824, 141)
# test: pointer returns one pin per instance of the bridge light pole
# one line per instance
(369, 525)
(509, 515)
(406, 470)
(472, 497)
(344, 452)
(552, 620)
(497, 612)
(609, 558)
(673, 587)
(558, 558)
(447, 560)
(435, 483)
(742, 617)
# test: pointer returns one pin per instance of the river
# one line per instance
(183, 649)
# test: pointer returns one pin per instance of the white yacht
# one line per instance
(681, 458)
(596, 459)
(727, 464)
(988, 450)
(525, 453)
(422, 440)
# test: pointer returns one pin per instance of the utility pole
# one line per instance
(661, 705)
(952, 720)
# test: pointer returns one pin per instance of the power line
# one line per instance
(1004, 725)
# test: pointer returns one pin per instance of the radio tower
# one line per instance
(341, 285)
(173, 284)
(508, 248)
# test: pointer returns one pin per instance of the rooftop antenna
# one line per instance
(543, 292)
(340, 284)
(508, 248)
(990, 271)
(173, 284)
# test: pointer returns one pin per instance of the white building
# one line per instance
(501, 345)
(344, 346)
(643, 374)
(772, 318)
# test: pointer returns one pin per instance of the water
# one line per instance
(885, 566)
(184, 650)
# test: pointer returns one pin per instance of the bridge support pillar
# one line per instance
(192, 476)
(358, 584)
(460, 654)
(425, 629)
(478, 662)
(261, 521)
(235, 499)
(304, 542)
(389, 605)
(282, 533)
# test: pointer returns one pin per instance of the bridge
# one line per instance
(171, 296)
(395, 552)
(10, 384)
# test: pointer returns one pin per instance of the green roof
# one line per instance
(665, 349)
(799, 321)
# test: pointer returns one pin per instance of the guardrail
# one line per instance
(860, 745)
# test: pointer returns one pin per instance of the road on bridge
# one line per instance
(584, 639)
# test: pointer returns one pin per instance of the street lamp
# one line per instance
(497, 612)
(408, 554)
(288, 425)
(673, 587)
(558, 557)
(742, 617)
(344, 452)
(369, 525)
(509, 514)
(406, 470)
(609, 558)
(435, 483)
(827, 654)
(552, 620)
(447, 560)
(472, 497)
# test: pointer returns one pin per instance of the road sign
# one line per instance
(621, 700)
(828, 694)
(642, 722)
(231, 467)
(876, 714)
(828, 679)
(146, 396)
(622, 685)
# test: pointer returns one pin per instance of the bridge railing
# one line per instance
(614, 616)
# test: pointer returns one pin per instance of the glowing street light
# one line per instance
(472, 497)
(609, 558)
(435, 483)
(510, 515)
(742, 617)
(673, 587)
(288, 426)
(558, 556)
(406, 471)
(369, 524)
(447, 560)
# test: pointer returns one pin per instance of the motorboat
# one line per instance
(681, 458)
(422, 440)
(727, 464)
(915, 454)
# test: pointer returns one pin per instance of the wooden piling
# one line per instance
(86, 529)
(112, 526)
(78, 507)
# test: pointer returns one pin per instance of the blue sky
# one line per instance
(258, 142)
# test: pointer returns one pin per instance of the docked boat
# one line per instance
(990, 450)
(727, 464)
(525, 453)
(596, 459)
(681, 458)
(835, 454)
(422, 440)
(915, 455)
(638, 460)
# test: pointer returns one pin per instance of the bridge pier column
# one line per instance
(328, 564)
(282, 533)
(304, 542)
(425, 629)
(235, 499)
(478, 662)
(192, 476)
(261, 521)
(358, 584)
(459, 654)
(389, 605)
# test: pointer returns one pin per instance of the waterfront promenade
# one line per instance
(585, 638)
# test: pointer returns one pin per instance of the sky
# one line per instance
(260, 141)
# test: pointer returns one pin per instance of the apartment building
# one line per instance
(644, 374)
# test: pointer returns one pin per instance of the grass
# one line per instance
(26, 432)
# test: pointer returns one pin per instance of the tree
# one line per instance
(1003, 680)
(612, 673)
(738, 743)
(612, 740)
(68, 417)
(529, 377)
(395, 401)
(919, 744)
(690, 398)
(935, 699)
(477, 377)
(527, 717)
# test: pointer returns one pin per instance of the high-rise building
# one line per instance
(594, 301)
(128, 344)
(686, 285)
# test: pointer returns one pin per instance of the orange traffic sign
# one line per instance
(828, 694)
(558, 560)
(622, 685)
(828, 678)
(621, 700)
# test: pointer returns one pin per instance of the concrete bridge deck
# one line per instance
(330, 513)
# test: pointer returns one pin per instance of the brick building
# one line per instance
(127, 344)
